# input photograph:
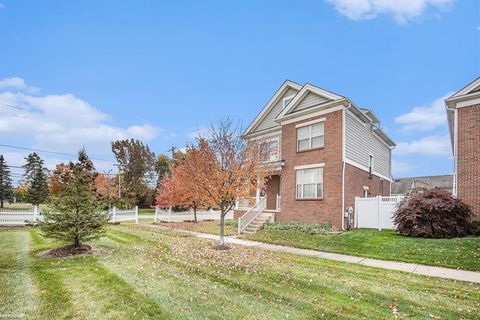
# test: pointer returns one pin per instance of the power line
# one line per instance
(51, 152)
(12, 107)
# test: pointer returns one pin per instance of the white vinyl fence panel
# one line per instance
(17, 217)
(117, 215)
(376, 212)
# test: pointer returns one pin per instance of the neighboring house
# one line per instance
(325, 151)
(403, 186)
(463, 113)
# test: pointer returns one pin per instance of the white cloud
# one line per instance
(62, 123)
(438, 145)
(425, 117)
(199, 132)
(400, 167)
(401, 10)
(17, 84)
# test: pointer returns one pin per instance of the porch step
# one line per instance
(257, 223)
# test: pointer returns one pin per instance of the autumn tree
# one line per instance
(137, 164)
(59, 178)
(180, 190)
(36, 179)
(105, 188)
(6, 191)
(74, 215)
(224, 167)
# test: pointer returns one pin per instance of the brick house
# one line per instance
(463, 113)
(325, 151)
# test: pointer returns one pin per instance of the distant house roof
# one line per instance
(405, 185)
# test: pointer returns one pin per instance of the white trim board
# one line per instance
(310, 166)
(304, 124)
(303, 92)
(360, 166)
(310, 115)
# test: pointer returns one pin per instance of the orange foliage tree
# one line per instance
(59, 178)
(180, 190)
(105, 188)
(224, 167)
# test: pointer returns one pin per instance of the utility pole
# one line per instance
(119, 181)
(107, 174)
(172, 149)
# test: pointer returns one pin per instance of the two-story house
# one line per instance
(326, 151)
(463, 114)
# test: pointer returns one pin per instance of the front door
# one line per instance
(271, 191)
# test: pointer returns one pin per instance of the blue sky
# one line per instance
(85, 72)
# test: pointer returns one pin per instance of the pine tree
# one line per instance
(36, 178)
(75, 216)
(6, 191)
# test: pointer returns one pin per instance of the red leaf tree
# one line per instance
(180, 190)
(223, 167)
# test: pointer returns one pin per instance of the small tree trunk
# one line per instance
(76, 242)
(1, 203)
(194, 206)
(222, 228)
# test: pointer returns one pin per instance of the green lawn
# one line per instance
(461, 253)
(210, 227)
(146, 211)
(151, 273)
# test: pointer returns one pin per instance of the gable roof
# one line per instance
(271, 104)
(472, 87)
(319, 99)
(306, 89)
(460, 98)
(404, 185)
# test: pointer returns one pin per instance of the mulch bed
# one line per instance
(72, 251)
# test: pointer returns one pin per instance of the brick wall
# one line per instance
(313, 211)
(356, 178)
(468, 157)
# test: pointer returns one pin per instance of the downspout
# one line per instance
(343, 164)
(455, 142)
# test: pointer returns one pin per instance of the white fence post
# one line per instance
(35, 213)
(379, 199)
(170, 214)
(136, 214)
(155, 217)
(114, 211)
(356, 213)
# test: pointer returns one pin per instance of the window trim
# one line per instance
(310, 124)
(277, 139)
(290, 97)
(309, 167)
(370, 164)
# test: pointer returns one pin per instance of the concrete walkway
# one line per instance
(440, 272)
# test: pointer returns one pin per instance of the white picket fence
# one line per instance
(376, 212)
(117, 215)
(19, 217)
(167, 215)
(22, 217)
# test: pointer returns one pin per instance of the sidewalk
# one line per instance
(440, 272)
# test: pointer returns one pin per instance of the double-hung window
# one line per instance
(309, 183)
(270, 151)
(310, 136)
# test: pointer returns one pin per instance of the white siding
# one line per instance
(360, 141)
(310, 100)
(268, 121)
